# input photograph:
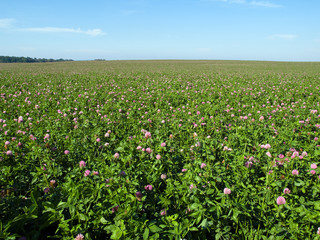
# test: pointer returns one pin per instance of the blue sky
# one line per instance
(280, 30)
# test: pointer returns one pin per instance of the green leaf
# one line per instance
(299, 182)
(116, 234)
(103, 220)
(301, 200)
(120, 149)
(146, 234)
(204, 223)
(317, 205)
(155, 229)
(33, 199)
(219, 235)
(193, 229)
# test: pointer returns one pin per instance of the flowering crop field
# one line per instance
(160, 150)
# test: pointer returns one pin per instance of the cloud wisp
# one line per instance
(283, 36)
(6, 22)
(90, 32)
(265, 4)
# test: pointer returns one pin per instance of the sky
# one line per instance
(272, 30)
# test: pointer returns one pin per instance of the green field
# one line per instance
(162, 149)
(166, 66)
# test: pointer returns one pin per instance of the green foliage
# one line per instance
(8, 59)
(159, 150)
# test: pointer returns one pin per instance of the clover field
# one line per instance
(160, 150)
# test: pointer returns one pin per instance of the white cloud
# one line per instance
(265, 4)
(245, 2)
(226, 1)
(283, 36)
(91, 32)
(237, 1)
(6, 22)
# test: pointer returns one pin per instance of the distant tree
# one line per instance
(9, 59)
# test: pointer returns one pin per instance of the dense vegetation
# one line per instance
(9, 59)
(160, 150)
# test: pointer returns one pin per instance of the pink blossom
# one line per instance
(163, 212)
(82, 164)
(87, 173)
(139, 147)
(116, 155)
(148, 150)
(267, 146)
(9, 153)
(95, 173)
(313, 172)
(203, 165)
(147, 135)
(318, 232)
(281, 200)
(183, 170)
(295, 172)
(295, 154)
(313, 166)
(115, 209)
(98, 139)
(139, 196)
(52, 183)
(286, 191)
(248, 164)
(163, 176)
(227, 191)
(158, 156)
(192, 186)
(269, 154)
(148, 187)
(79, 237)
(20, 119)
(66, 152)
(163, 144)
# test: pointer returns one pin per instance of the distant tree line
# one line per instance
(8, 59)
